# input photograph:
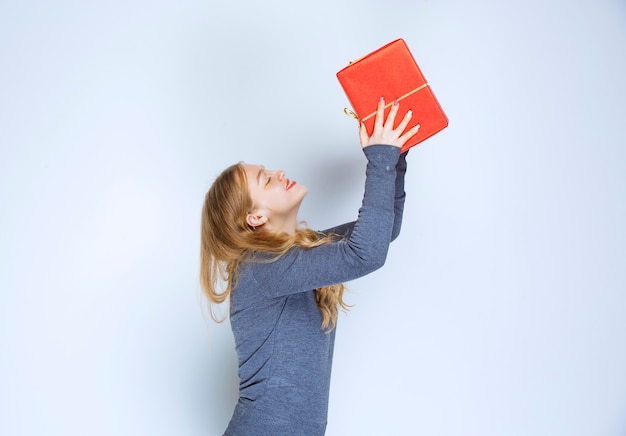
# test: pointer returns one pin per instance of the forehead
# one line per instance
(252, 172)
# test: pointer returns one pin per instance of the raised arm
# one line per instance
(344, 230)
(400, 196)
(365, 250)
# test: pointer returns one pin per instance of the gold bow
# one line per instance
(354, 115)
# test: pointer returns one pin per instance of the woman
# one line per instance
(285, 283)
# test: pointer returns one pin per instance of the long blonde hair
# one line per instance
(226, 240)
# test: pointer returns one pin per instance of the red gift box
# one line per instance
(391, 72)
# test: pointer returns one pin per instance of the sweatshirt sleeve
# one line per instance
(400, 195)
(345, 230)
(364, 251)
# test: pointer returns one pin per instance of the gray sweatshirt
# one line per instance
(284, 356)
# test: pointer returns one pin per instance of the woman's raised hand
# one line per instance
(384, 133)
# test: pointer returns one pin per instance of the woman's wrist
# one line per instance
(382, 155)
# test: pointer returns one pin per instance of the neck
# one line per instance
(286, 225)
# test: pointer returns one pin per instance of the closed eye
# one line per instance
(268, 180)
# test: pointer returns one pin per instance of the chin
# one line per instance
(302, 190)
(299, 194)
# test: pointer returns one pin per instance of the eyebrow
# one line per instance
(258, 176)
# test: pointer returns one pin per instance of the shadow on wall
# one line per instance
(222, 389)
(227, 386)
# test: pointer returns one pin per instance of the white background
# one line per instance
(501, 309)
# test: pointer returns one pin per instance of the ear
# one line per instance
(256, 219)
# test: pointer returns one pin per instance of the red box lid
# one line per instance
(391, 72)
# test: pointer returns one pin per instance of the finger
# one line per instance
(380, 115)
(408, 135)
(405, 122)
(363, 136)
(391, 118)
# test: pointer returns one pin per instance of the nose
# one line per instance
(280, 174)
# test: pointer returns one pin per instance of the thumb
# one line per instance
(363, 136)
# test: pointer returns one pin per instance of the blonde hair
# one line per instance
(226, 240)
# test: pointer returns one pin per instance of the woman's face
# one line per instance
(275, 198)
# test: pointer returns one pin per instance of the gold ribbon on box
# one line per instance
(354, 115)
